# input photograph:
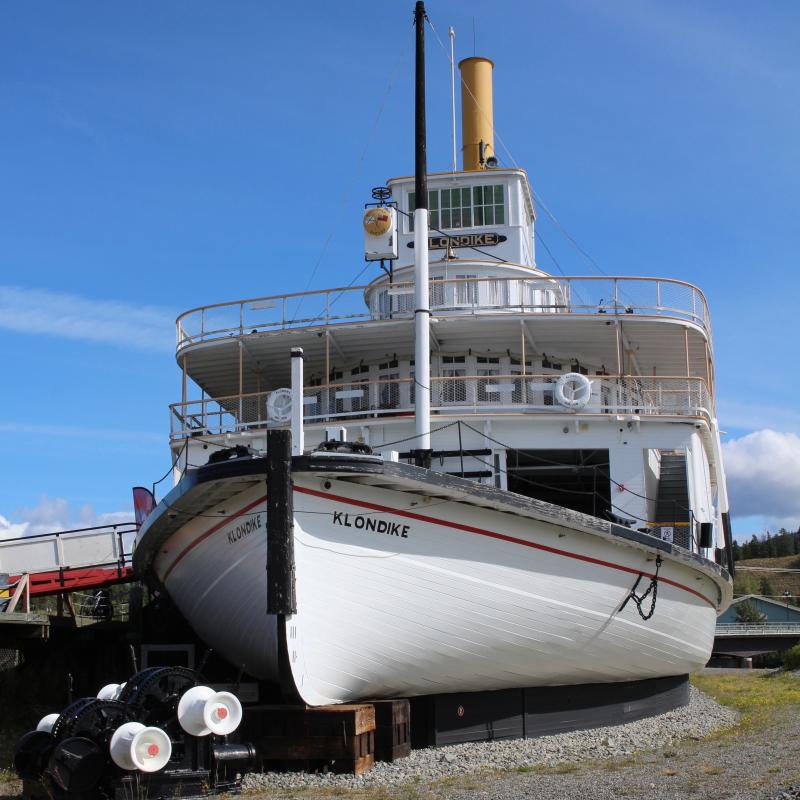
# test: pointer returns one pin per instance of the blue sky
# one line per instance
(155, 157)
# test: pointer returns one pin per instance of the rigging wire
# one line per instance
(174, 464)
(496, 468)
(526, 453)
(597, 468)
(467, 247)
(567, 235)
(560, 490)
(546, 461)
(355, 172)
(549, 253)
(417, 435)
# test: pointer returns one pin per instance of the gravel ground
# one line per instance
(549, 754)
(699, 718)
(671, 757)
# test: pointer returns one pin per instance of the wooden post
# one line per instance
(241, 369)
(183, 385)
(20, 591)
(686, 344)
(280, 524)
(71, 607)
(327, 395)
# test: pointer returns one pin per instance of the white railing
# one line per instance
(757, 629)
(461, 395)
(108, 545)
(535, 295)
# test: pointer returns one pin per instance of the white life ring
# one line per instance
(573, 390)
(279, 405)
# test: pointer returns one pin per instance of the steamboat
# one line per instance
(466, 475)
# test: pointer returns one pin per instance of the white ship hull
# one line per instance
(400, 594)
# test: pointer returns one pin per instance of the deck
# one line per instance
(499, 345)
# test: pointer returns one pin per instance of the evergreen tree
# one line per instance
(737, 551)
(747, 613)
(783, 544)
(765, 587)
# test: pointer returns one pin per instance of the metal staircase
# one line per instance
(672, 503)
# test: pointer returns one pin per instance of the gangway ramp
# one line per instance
(67, 561)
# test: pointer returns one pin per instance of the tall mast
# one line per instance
(453, 93)
(422, 313)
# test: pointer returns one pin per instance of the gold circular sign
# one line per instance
(377, 221)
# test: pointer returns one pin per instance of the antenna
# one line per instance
(453, 92)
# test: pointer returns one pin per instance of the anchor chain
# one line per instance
(652, 589)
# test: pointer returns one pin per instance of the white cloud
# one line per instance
(50, 515)
(12, 530)
(42, 311)
(763, 470)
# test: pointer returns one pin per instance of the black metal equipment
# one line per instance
(72, 760)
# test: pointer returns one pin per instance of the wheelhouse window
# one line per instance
(464, 207)
(488, 205)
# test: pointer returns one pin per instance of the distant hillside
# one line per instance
(768, 545)
(768, 583)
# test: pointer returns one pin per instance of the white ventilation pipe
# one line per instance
(297, 402)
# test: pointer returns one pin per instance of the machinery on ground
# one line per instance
(160, 734)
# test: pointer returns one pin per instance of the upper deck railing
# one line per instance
(375, 400)
(458, 296)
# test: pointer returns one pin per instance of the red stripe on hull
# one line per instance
(208, 533)
(447, 524)
(501, 536)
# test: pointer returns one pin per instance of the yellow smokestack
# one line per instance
(477, 115)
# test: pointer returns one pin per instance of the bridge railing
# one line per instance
(757, 629)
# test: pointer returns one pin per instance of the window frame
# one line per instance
(437, 210)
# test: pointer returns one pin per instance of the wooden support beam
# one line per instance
(341, 738)
(392, 729)
(22, 590)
